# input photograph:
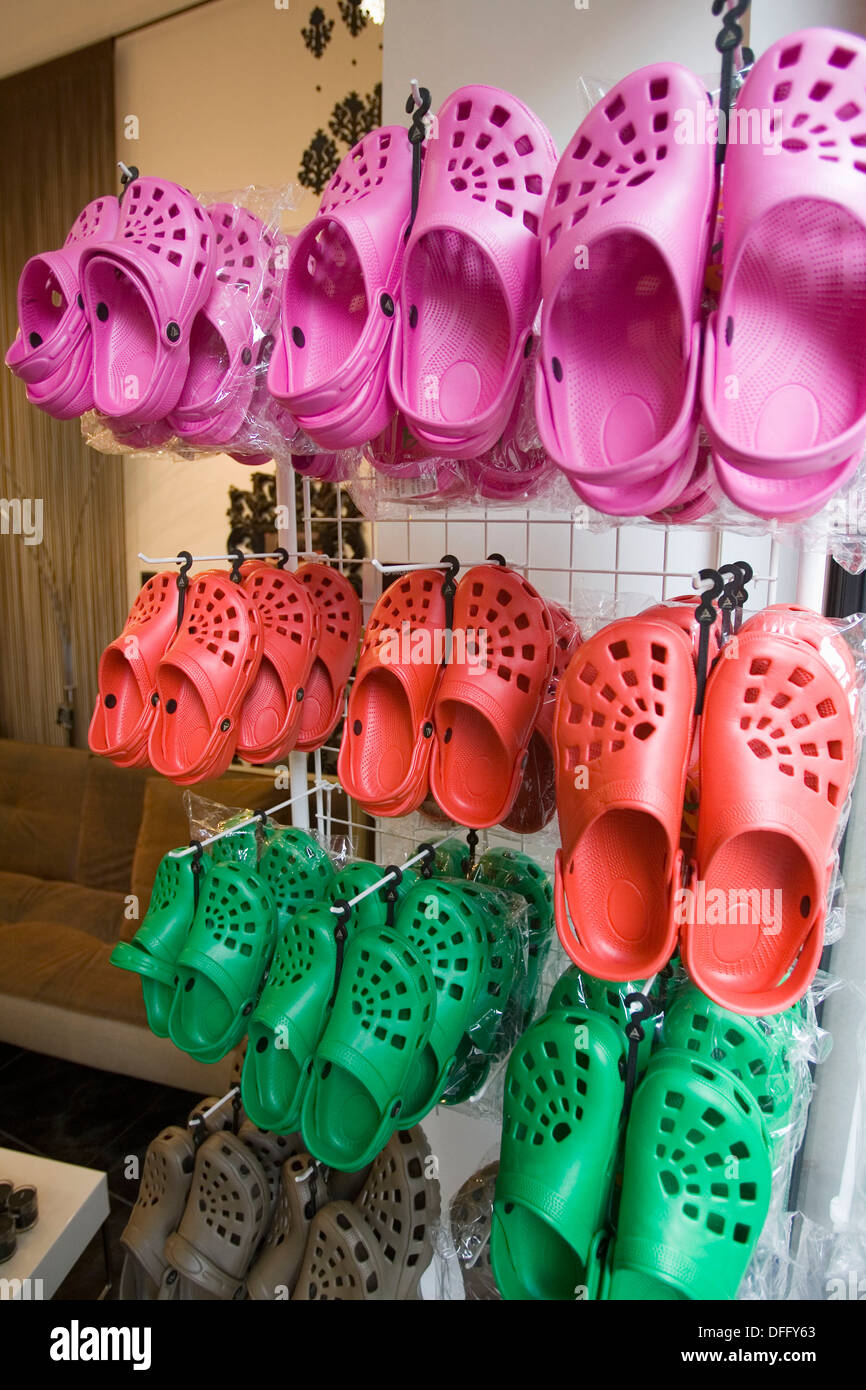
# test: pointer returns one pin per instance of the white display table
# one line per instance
(73, 1205)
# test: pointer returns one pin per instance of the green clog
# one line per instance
(753, 1050)
(380, 1023)
(561, 1125)
(154, 949)
(297, 871)
(515, 872)
(452, 859)
(372, 911)
(224, 962)
(574, 989)
(241, 847)
(696, 1184)
(500, 999)
(445, 921)
(289, 1019)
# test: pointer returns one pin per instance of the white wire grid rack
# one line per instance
(597, 575)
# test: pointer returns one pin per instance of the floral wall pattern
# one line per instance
(353, 116)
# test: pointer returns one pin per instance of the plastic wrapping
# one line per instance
(225, 406)
(246, 843)
(774, 1269)
(843, 649)
(501, 1009)
(396, 473)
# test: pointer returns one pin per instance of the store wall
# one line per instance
(223, 97)
(539, 50)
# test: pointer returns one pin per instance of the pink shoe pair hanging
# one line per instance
(625, 237)
(156, 311)
(434, 321)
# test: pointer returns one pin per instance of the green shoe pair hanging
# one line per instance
(286, 1026)
(328, 1060)
(514, 980)
(694, 1155)
(205, 946)
(364, 1012)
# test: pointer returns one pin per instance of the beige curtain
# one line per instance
(62, 600)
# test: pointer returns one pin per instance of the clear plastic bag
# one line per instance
(225, 406)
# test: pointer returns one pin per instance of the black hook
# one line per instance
(728, 40)
(388, 892)
(635, 1033)
(237, 558)
(341, 932)
(429, 853)
(728, 601)
(182, 582)
(283, 557)
(237, 1110)
(706, 615)
(196, 869)
(472, 842)
(126, 178)
(449, 590)
(417, 136)
(741, 594)
(497, 559)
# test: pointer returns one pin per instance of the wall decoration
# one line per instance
(318, 162)
(374, 107)
(350, 119)
(318, 35)
(353, 16)
(252, 514)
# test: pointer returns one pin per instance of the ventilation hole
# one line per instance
(640, 178)
(615, 109)
(643, 731)
(751, 695)
(800, 677)
(811, 781)
(825, 710)
(619, 650)
(759, 749)
(789, 56)
(794, 145)
(627, 134)
(839, 58)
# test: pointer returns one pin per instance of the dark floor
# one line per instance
(94, 1118)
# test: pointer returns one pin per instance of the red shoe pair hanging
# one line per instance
(252, 662)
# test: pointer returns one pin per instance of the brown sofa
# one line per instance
(78, 837)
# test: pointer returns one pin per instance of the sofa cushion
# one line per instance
(41, 795)
(67, 967)
(27, 899)
(165, 824)
(110, 819)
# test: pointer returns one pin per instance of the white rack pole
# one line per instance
(386, 878)
(298, 765)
